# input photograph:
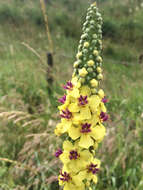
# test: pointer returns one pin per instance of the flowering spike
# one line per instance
(83, 109)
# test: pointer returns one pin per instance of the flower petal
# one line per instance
(85, 91)
(74, 133)
(85, 141)
(73, 107)
(67, 145)
(85, 113)
(94, 102)
(74, 93)
(98, 132)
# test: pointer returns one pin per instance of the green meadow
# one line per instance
(29, 90)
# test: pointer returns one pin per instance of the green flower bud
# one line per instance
(88, 78)
(94, 74)
(92, 22)
(88, 17)
(87, 30)
(91, 48)
(85, 51)
(92, 27)
(91, 56)
(85, 58)
(100, 31)
(86, 66)
(80, 42)
(100, 76)
(79, 47)
(82, 80)
(94, 90)
(91, 12)
(84, 36)
(90, 70)
(94, 42)
(79, 55)
(99, 59)
(94, 36)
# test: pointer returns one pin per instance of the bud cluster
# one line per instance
(87, 66)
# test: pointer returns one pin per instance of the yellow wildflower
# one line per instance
(87, 132)
(74, 157)
(91, 171)
(69, 181)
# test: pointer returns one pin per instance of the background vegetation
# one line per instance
(28, 102)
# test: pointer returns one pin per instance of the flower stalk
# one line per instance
(83, 110)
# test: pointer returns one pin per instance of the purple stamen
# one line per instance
(85, 128)
(104, 100)
(65, 176)
(104, 116)
(73, 155)
(82, 100)
(58, 153)
(68, 86)
(93, 168)
(66, 114)
(62, 99)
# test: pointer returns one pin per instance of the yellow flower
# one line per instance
(73, 93)
(65, 105)
(82, 80)
(70, 181)
(102, 107)
(87, 132)
(62, 127)
(91, 171)
(90, 63)
(83, 72)
(74, 157)
(94, 102)
(94, 83)
(99, 59)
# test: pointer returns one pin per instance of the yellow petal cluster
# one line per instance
(82, 113)
(85, 129)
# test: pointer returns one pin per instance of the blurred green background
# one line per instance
(28, 102)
